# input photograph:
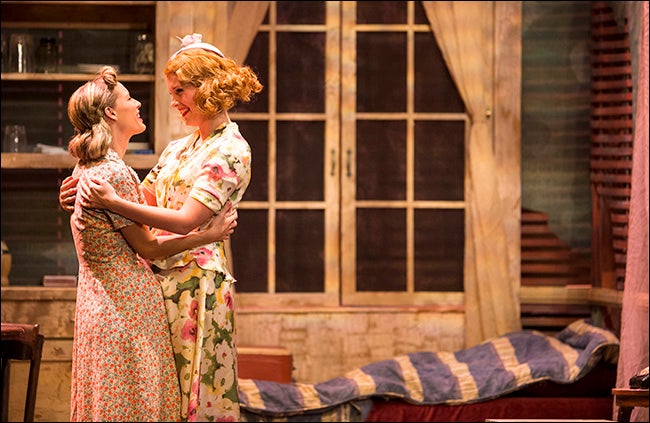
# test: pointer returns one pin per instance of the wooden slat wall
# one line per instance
(548, 261)
(612, 136)
(611, 146)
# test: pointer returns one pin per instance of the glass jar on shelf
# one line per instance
(142, 56)
(46, 56)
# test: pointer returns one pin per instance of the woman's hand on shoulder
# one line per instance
(96, 193)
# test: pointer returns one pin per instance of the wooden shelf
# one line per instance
(83, 77)
(554, 295)
(605, 297)
(116, 21)
(576, 294)
(104, 15)
(65, 161)
(38, 293)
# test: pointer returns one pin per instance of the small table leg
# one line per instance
(624, 414)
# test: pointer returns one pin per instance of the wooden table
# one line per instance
(627, 399)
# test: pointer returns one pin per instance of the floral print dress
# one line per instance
(197, 286)
(122, 359)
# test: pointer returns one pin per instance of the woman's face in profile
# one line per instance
(127, 112)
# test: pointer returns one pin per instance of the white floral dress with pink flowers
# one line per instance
(197, 286)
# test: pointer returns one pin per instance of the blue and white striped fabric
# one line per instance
(494, 368)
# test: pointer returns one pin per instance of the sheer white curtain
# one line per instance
(465, 34)
(229, 25)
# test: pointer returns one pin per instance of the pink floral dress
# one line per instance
(122, 359)
(197, 286)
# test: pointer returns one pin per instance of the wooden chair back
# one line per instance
(21, 342)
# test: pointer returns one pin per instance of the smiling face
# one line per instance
(182, 96)
(127, 113)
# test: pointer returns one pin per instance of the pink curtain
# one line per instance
(634, 319)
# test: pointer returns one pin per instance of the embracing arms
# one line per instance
(142, 240)
(100, 194)
(149, 246)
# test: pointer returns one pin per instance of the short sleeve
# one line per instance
(224, 176)
(126, 184)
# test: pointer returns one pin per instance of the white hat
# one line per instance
(194, 41)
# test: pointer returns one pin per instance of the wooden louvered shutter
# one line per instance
(611, 146)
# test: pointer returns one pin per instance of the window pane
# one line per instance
(381, 72)
(420, 16)
(301, 72)
(258, 60)
(439, 246)
(435, 90)
(249, 250)
(256, 133)
(381, 250)
(381, 12)
(300, 161)
(300, 12)
(439, 160)
(381, 160)
(300, 254)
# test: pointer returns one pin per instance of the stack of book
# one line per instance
(60, 281)
(139, 148)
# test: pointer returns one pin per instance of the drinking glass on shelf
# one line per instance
(15, 140)
(21, 53)
(5, 54)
